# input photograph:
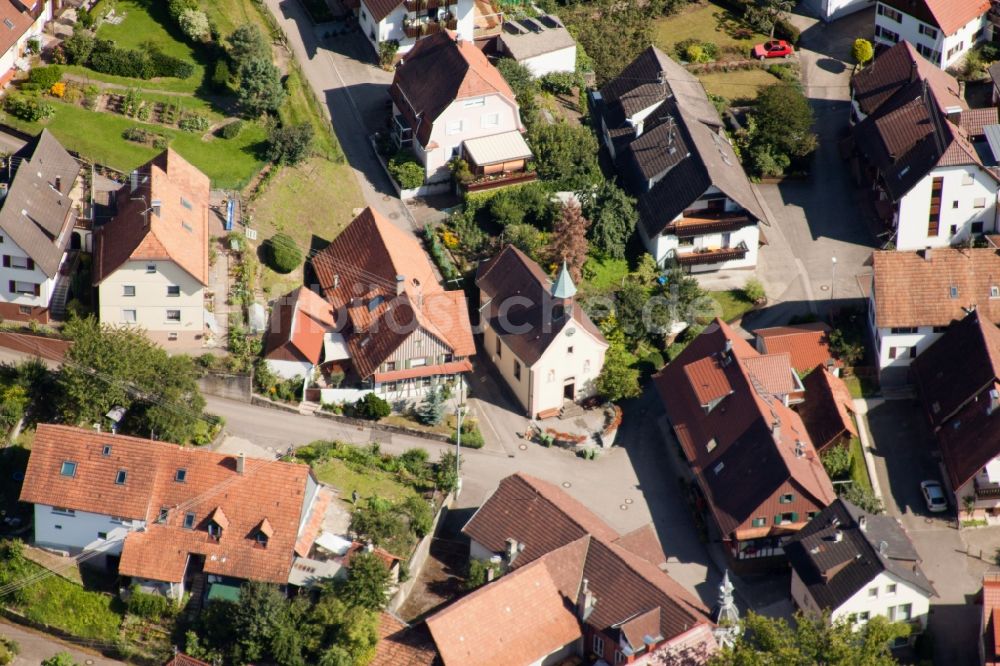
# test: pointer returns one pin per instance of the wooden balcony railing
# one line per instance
(501, 180)
(712, 256)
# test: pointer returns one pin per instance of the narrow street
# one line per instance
(37, 647)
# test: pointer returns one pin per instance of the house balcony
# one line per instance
(698, 222)
(986, 490)
(418, 29)
(494, 181)
(712, 255)
(402, 133)
(497, 160)
(416, 6)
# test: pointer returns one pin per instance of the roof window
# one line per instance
(180, 475)
(68, 468)
(120, 477)
(106, 451)
(953, 291)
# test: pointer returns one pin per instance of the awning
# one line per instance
(452, 368)
(333, 543)
(504, 147)
(334, 347)
(224, 592)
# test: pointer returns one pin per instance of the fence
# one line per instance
(420, 555)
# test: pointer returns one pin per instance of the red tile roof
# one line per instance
(270, 490)
(299, 321)
(990, 627)
(403, 645)
(742, 427)
(827, 408)
(949, 15)
(179, 233)
(14, 23)
(807, 344)
(181, 659)
(897, 68)
(439, 70)
(358, 274)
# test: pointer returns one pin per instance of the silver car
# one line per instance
(934, 496)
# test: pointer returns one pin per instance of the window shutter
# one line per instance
(777, 519)
(31, 264)
(407, 364)
(6, 261)
(38, 290)
(10, 287)
(795, 517)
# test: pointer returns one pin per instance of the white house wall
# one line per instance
(862, 601)
(962, 188)
(73, 533)
(34, 276)
(473, 121)
(563, 60)
(290, 369)
(151, 301)
(902, 342)
(391, 27)
(908, 29)
(556, 366)
(831, 10)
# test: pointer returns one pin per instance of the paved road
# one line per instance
(903, 449)
(340, 72)
(36, 647)
(817, 218)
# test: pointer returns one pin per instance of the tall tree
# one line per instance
(764, 15)
(812, 640)
(260, 87)
(618, 379)
(565, 155)
(569, 240)
(247, 43)
(785, 119)
(613, 217)
(367, 584)
(613, 32)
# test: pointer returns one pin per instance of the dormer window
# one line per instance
(263, 533)
(217, 522)
(261, 539)
(214, 530)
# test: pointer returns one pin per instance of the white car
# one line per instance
(934, 496)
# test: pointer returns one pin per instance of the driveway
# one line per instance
(341, 72)
(817, 218)
(37, 647)
(904, 456)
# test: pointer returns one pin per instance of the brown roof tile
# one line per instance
(949, 15)
(181, 659)
(893, 72)
(179, 233)
(358, 274)
(749, 461)
(644, 543)
(827, 409)
(267, 489)
(913, 290)
(807, 344)
(299, 321)
(439, 70)
(401, 644)
(973, 121)
(14, 23)
(772, 372)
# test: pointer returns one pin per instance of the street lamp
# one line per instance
(459, 414)
(833, 277)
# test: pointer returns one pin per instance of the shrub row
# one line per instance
(102, 55)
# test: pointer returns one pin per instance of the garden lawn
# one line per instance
(370, 482)
(67, 606)
(147, 22)
(732, 303)
(228, 15)
(738, 85)
(705, 22)
(312, 203)
(859, 470)
(601, 275)
(860, 387)
(98, 136)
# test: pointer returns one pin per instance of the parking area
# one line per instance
(904, 452)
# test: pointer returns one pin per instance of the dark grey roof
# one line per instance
(994, 71)
(833, 571)
(35, 215)
(530, 37)
(681, 148)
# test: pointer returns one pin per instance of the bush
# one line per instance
(481, 572)
(754, 292)
(406, 170)
(387, 52)
(221, 75)
(472, 437)
(106, 58)
(372, 407)
(560, 83)
(785, 73)
(194, 122)
(784, 29)
(232, 130)
(283, 254)
(194, 24)
(147, 606)
(289, 144)
(45, 77)
(9, 649)
(78, 47)
(30, 109)
(176, 8)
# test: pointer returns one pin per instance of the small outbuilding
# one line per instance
(542, 44)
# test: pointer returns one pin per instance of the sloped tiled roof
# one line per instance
(181, 659)
(682, 137)
(35, 215)
(949, 15)
(400, 644)
(574, 544)
(380, 9)
(954, 377)
(990, 625)
(806, 344)
(527, 329)
(889, 78)
(299, 320)
(439, 70)
(914, 290)
(14, 23)
(833, 571)
(827, 409)
(267, 489)
(756, 436)
(179, 233)
(358, 274)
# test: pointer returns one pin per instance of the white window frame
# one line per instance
(454, 127)
(126, 316)
(24, 288)
(598, 645)
(474, 103)
(489, 120)
(128, 290)
(19, 262)
(171, 319)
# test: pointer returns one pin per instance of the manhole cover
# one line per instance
(824, 287)
(629, 501)
(623, 507)
(393, 216)
(566, 484)
(523, 447)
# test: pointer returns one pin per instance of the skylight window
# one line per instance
(953, 291)
(120, 477)
(106, 451)
(68, 468)
(188, 521)
(181, 475)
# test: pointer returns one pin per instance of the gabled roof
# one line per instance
(14, 22)
(530, 37)
(401, 644)
(990, 625)
(36, 215)
(358, 274)
(759, 443)
(379, 9)
(178, 233)
(949, 15)
(211, 486)
(181, 659)
(954, 377)
(888, 81)
(916, 288)
(520, 307)
(439, 70)
(681, 137)
(827, 409)
(574, 544)
(833, 571)
(807, 344)
(299, 321)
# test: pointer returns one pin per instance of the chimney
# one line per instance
(729, 346)
(514, 548)
(863, 523)
(800, 448)
(336, 281)
(58, 185)
(241, 462)
(776, 429)
(928, 254)
(369, 547)
(134, 180)
(838, 536)
(994, 401)
(400, 284)
(585, 605)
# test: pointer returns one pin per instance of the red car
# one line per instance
(776, 48)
